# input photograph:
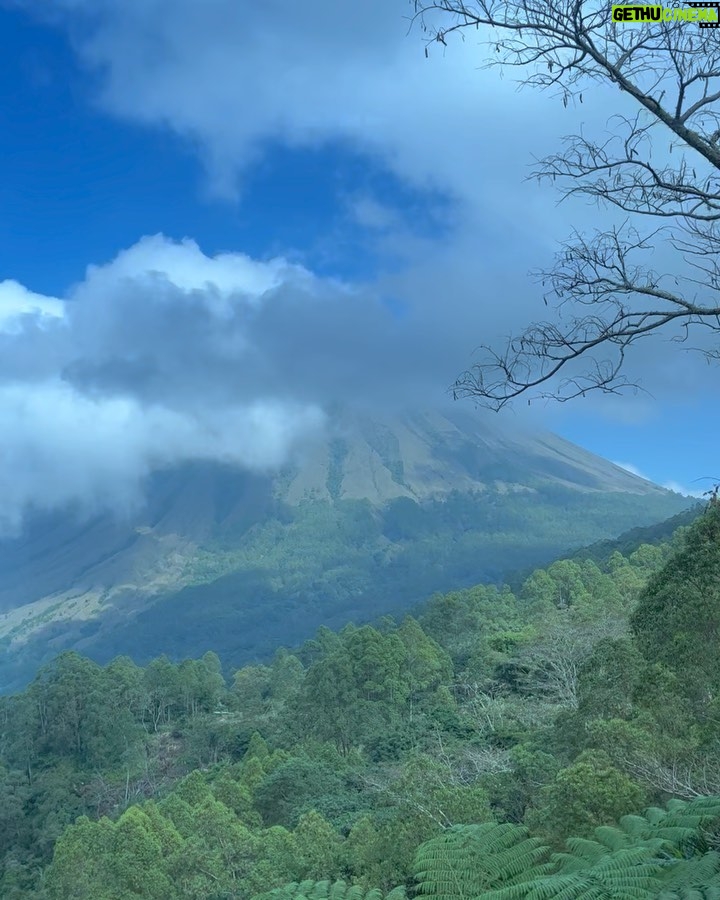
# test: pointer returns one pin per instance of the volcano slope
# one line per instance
(372, 517)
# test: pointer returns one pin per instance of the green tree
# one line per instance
(69, 698)
(319, 848)
(164, 688)
(425, 665)
(299, 785)
(329, 706)
(586, 794)
(79, 869)
(677, 620)
(136, 864)
(376, 664)
(609, 680)
(462, 621)
(354, 692)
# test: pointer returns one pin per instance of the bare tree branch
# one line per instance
(688, 779)
(672, 71)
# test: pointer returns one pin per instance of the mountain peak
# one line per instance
(430, 453)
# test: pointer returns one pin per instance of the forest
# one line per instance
(560, 739)
(221, 222)
(273, 582)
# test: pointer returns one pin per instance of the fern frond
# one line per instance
(662, 853)
(468, 860)
(693, 879)
(322, 890)
(327, 890)
(397, 893)
(356, 893)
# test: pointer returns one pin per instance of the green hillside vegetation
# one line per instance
(559, 741)
(275, 581)
(373, 516)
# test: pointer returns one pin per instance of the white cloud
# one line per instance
(232, 78)
(139, 373)
(371, 213)
(680, 489)
(180, 355)
(19, 307)
(165, 354)
(61, 448)
(186, 267)
(629, 467)
(670, 485)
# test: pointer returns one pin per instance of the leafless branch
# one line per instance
(663, 162)
(687, 779)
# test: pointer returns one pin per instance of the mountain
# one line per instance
(422, 455)
(373, 515)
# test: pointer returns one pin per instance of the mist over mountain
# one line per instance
(371, 517)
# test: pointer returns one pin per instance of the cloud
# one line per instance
(165, 353)
(145, 364)
(64, 449)
(234, 79)
(670, 485)
(371, 213)
(629, 467)
(680, 489)
(18, 305)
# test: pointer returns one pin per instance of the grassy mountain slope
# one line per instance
(371, 518)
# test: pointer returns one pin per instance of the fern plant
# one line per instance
(467, 861)
(667, 853)
(329, 890)
(694, 879)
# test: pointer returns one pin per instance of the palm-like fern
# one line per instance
(694, 879)
(329, 890)
(681, 823)
(663, 854)
(468, 860)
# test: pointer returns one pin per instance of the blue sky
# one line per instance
(81, 185)
(184, 187)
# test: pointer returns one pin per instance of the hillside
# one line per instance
(424, 756)
(373, 516)
(429, 454)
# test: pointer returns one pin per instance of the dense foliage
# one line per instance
(274, 579)
(557, 741)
